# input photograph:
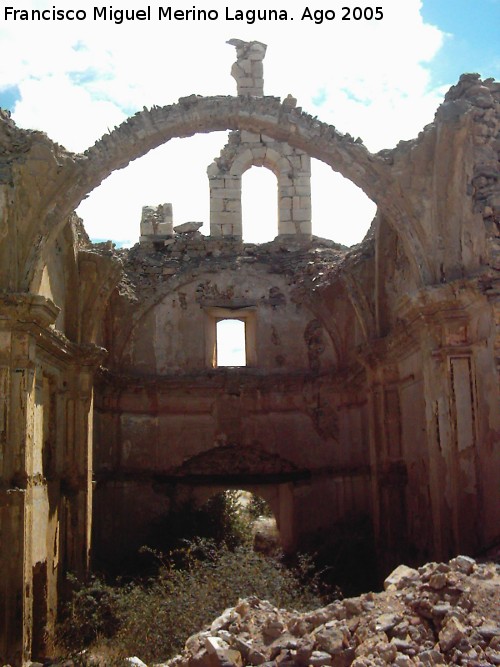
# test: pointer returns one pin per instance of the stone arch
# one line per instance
(292, 168)
(151, 128)
(256, 470)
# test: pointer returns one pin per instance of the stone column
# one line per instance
(248, 69)
(225, 203)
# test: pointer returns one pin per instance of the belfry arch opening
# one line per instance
(259, 201)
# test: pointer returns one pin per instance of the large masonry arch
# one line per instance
(149, 129)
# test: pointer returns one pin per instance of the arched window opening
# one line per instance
(231, 343)
(341, 211)
(259, 203)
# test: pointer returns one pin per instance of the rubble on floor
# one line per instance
(440, 614)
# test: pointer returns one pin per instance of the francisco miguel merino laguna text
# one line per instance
(119, 16)
(250, 16)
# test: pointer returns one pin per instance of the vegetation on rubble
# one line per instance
(194, 582)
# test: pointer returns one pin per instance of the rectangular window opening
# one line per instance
(231, 342)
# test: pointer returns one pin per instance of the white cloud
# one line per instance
(370, 78)
(66, 112)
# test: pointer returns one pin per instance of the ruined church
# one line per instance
(369, 390)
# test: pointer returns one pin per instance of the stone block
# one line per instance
(242, 161)
(249, 137)
(165, 228)
(225, 193)
(216, 205)
(229, 229)
(400, 577)
(146, 228)
(228, 218)
(268, 140)
(305, 162)
(147, 213)
(233, 181)
(302, 181)
(166, 211)
(259, 152)
(287, 227)
(299, 214)
(245, 82)
(258, 70)
(286, 149)
(213, 169)
(215, 229)
(246, 67)
(285, 168)
(257, 51)
(232, 206)
(188, 227)
(217, 183)
(303, 191)
(305, 227)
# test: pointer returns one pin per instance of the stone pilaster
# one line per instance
(428, 428)
(22, 319)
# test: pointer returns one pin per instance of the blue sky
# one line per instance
(381, 81)
(472, 41)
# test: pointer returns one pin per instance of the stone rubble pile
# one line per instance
(189, 252)
(440, 614)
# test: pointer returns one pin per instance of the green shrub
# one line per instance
(90, 613)
(258, 507)
(220, 520)
(154, 619)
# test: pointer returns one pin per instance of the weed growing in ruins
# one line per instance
(153, 619)
(204, 563)
(258, 507)
(220, 520)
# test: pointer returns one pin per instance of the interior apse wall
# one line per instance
(169, 418)
(173, 334)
